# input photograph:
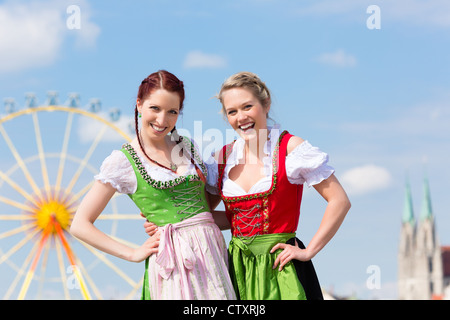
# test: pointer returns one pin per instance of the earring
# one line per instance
(139, 115)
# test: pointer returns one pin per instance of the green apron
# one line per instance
(251, 269)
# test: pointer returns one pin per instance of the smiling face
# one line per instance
(244, 112)
(159, 112)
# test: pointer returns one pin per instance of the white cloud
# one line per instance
(32, 33)
(199, 59)
(366, 179)
(30, 36)
(337, 59)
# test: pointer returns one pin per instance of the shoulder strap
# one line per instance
(194, 155)
(280, 157)
(223, 155)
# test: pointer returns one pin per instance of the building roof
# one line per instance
(427, 211)
(408, 212)
(446, 260)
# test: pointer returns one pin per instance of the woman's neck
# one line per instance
(254, 148)
(162, 144)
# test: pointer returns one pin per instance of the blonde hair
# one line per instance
(250, 81)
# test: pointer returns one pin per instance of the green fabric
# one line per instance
(145, 286)
(164, 203)
(252, 274)
(170, 204)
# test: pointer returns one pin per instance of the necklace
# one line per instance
(172, 166)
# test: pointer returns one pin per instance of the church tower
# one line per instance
(420, 272)
(407, 285)
(429, 256)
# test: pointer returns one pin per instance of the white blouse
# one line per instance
(304, 164)
(117, 170)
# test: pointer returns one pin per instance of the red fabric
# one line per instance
(274, 211)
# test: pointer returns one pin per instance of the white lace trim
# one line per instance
(305, 164)
(118, 171)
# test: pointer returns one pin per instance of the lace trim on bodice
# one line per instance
(155, 183)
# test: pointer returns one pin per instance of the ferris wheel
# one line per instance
(48, 156)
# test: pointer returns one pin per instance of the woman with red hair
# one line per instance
(164, 176)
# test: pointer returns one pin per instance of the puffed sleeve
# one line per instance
(117, 171)
(307, 164)
(213, 175)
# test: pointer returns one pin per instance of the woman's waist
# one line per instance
(260, 244)
(181, 221)
(168, 211)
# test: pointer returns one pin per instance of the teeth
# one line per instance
(246, 126)
(159, 129)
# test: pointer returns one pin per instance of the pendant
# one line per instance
(173, 167)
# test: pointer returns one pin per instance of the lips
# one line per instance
(247, 126)
(158, 129)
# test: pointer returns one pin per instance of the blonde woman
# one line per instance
(260, 179)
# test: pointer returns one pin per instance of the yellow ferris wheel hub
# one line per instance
(53, 212)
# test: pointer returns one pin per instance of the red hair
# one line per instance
(161, 79)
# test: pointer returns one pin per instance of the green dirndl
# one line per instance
(252, 273)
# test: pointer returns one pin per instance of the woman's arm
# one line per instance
(335, 212)
(219, 216)
(83, 228)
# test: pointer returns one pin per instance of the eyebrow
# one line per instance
(170, 108)
(246, 103)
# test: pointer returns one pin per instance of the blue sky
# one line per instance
(376, 100)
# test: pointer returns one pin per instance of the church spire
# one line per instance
(408, 212)
(427, 212)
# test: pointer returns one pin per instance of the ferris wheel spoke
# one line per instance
(20, 162)
(30, 273)
(89, 280)
(62, 270)
(15, 231)
(43, 268)
(26, 235)
(18, 245)
(85, 160)
(79, 194)
(64, 152)
(125, 242)
(20, 272)
(16, 187)
(16, 205)
(37, 131)
(134, 290)
(71, 257)
(115, 223)
(111, 265)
